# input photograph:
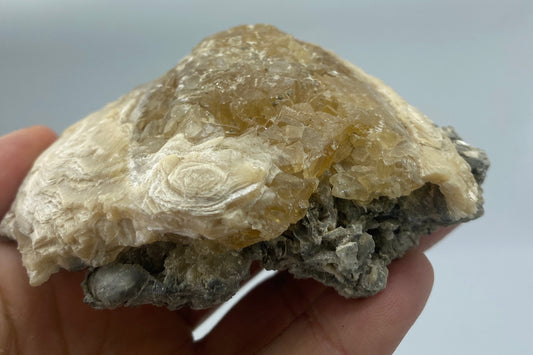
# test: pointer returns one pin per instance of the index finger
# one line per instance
(18, 151)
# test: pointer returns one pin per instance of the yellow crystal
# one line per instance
(229, 145)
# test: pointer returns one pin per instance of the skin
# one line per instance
(281, 316)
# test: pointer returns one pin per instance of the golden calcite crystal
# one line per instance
(228, 146)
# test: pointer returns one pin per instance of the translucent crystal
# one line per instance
(228, 146)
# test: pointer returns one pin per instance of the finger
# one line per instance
(259, 318)
(286, 316)
(20, 304)
(51, 319)
(127, 330)
(18, 151)
(428, 241)
(373, 325)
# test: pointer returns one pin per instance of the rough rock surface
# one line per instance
(338, 243)
(256, 146)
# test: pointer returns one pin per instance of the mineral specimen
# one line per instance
(256, 146)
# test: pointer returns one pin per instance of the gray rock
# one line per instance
(338, 243)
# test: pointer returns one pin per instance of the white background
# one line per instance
(464, 63)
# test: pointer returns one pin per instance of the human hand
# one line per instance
(281, 316)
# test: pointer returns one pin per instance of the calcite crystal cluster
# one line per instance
(256, 146)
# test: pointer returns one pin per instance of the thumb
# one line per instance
(18, 151)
